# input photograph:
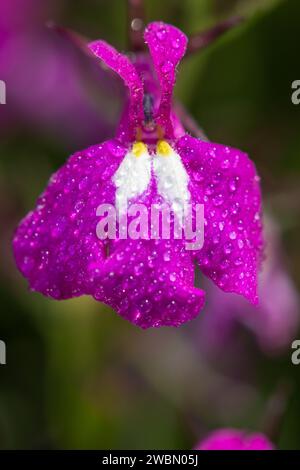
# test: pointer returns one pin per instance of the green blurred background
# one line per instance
(77, 375)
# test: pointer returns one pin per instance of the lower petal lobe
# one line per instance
(56, 246)
(226, 182)
(150, 283)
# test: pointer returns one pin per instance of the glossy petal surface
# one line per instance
(127, 71)
(167, 46)
(225, 181)
(56, 244)
(233, 439)
(150, 283)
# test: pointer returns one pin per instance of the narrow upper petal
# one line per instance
(167, 46)
(225, 181)
(127, 71)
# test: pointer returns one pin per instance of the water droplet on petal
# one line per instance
(232, 185)
(167, 66)
(176, 43)
(218, 200)
(227, 248)
(161, 34)
(198, 176)
(217, 177)
(225, 164)
(115, 149)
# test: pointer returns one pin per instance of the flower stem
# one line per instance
(78, 41)
(275, 411)
(136, 24)
(189, 123)
(203, 39)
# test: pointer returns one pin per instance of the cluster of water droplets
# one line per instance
(225, 180)
(56, 243)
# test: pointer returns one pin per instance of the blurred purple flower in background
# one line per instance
(51, 87)
(274, 322)
(233, 439)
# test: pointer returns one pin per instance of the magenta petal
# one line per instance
(258, 441)
(225, 181)
(234, 439)
(56, 243)
(167, 46)
(150, 283)
(127, 71)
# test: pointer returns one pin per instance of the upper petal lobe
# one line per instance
(127, 71)
(167, 46)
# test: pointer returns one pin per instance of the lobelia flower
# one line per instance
(233, 439)
(152, 161)
(274, 323)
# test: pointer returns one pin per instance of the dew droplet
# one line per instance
(225, 164)
(176, 43)
(227, 248)
(218, 200)
(232, 185)
(217, 177)
(161, 34)
(115, 149)
(167, 66)
(198, 176)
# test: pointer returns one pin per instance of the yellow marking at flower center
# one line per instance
(138, 149)
(163, 148)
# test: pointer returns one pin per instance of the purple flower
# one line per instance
(233, 439)
(274, 323)
(45, 78)
(152, 161)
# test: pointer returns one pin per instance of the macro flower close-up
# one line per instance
(152, 161)
(149, 213)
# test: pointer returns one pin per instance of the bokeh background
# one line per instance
(77, 375)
